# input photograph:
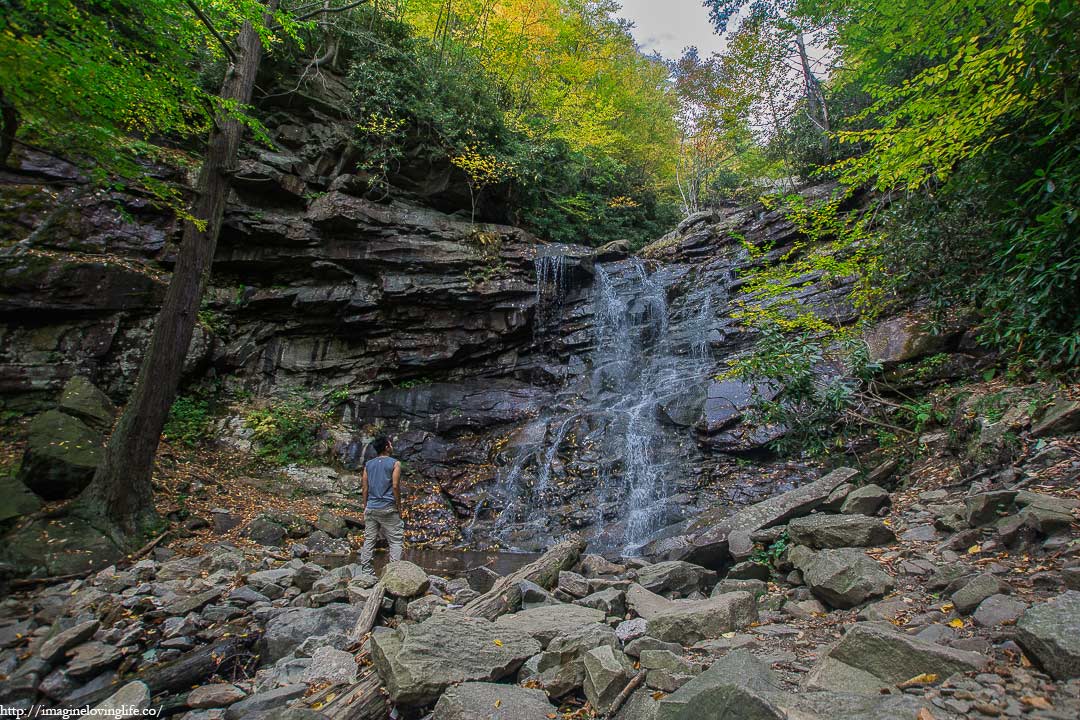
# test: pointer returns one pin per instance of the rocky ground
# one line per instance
(934, 592)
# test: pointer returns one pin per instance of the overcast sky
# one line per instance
(668, 26)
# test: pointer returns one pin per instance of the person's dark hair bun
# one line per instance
(380, 444)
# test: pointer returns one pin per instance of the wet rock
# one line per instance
(867, 500)
(842, 578)
(545, 622)
(289, 629)
(130, 701)
(968, 597)
(675, 576)
(336, 667)
(606, 673)
(871, 656)
(839, 531)
(62, 454)
(418, 662)
(216, 695)
(404, 579)
(690, 621)
(1050, 633)
(476, 700)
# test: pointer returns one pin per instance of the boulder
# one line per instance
(998, 610)
(217, 695)
(560, 668)
(489, 701)
(261, 702)
(611, 602)
(689, 621)
(842, 578)
(130, 701)
(265, 531)
(404, 579)
(289, 629)
(973, 592)
(675, 576)
(81, 399)
(545, 622)
(646, 604)
(872, 656)
(1050, 634)
(91, 658)
(607, 671)
(573, 584)
(1060, 418)
(708, 545)
(53, 649)
(629, 630)
(839, 531)
(16, 499)
(867, 500)
(985, 508)
(418, 662)
(62, 454)
(336, 667)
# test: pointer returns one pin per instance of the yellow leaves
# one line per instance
(1037, 702)
(948, 607)
(925, 714)
(498, 642)
(956, 623)
(921, 679)
(974, 549)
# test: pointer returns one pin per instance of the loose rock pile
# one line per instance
(871, 610)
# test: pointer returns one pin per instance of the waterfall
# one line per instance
(647, 359)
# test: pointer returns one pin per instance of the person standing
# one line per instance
(382, 503)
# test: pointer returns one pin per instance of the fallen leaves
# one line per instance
(921, 679)
(1036, 701)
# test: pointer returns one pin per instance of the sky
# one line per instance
(668, 26)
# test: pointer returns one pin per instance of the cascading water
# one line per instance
(624, 421)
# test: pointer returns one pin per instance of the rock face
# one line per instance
(1051, 634)
(842, 578)
(488, 701)
(708, 542)
(418, 662)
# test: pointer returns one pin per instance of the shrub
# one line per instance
(189, 420)
(286, 432)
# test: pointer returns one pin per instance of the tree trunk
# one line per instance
(120, 497)
(9, 125)
(814, 94)
(544, 571)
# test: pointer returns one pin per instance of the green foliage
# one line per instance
(805, 383)
(188, 422)
(417, 102)
(772, 553)
(287, 431)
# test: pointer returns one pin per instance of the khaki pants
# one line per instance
(393, 529)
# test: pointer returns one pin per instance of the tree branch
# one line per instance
(213, 31)
(324, 11)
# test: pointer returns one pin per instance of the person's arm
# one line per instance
(363, 483)
(397, 485)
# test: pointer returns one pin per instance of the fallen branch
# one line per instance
(634, 684)
(367, 618)
(544, 571)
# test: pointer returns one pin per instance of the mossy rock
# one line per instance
(62, 454)
(58, 547)
(81, 399)
(16, 500)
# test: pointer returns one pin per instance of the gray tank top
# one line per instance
(380, 482)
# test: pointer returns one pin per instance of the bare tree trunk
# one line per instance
(9, 125)
(814, 94)
(120, 497)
